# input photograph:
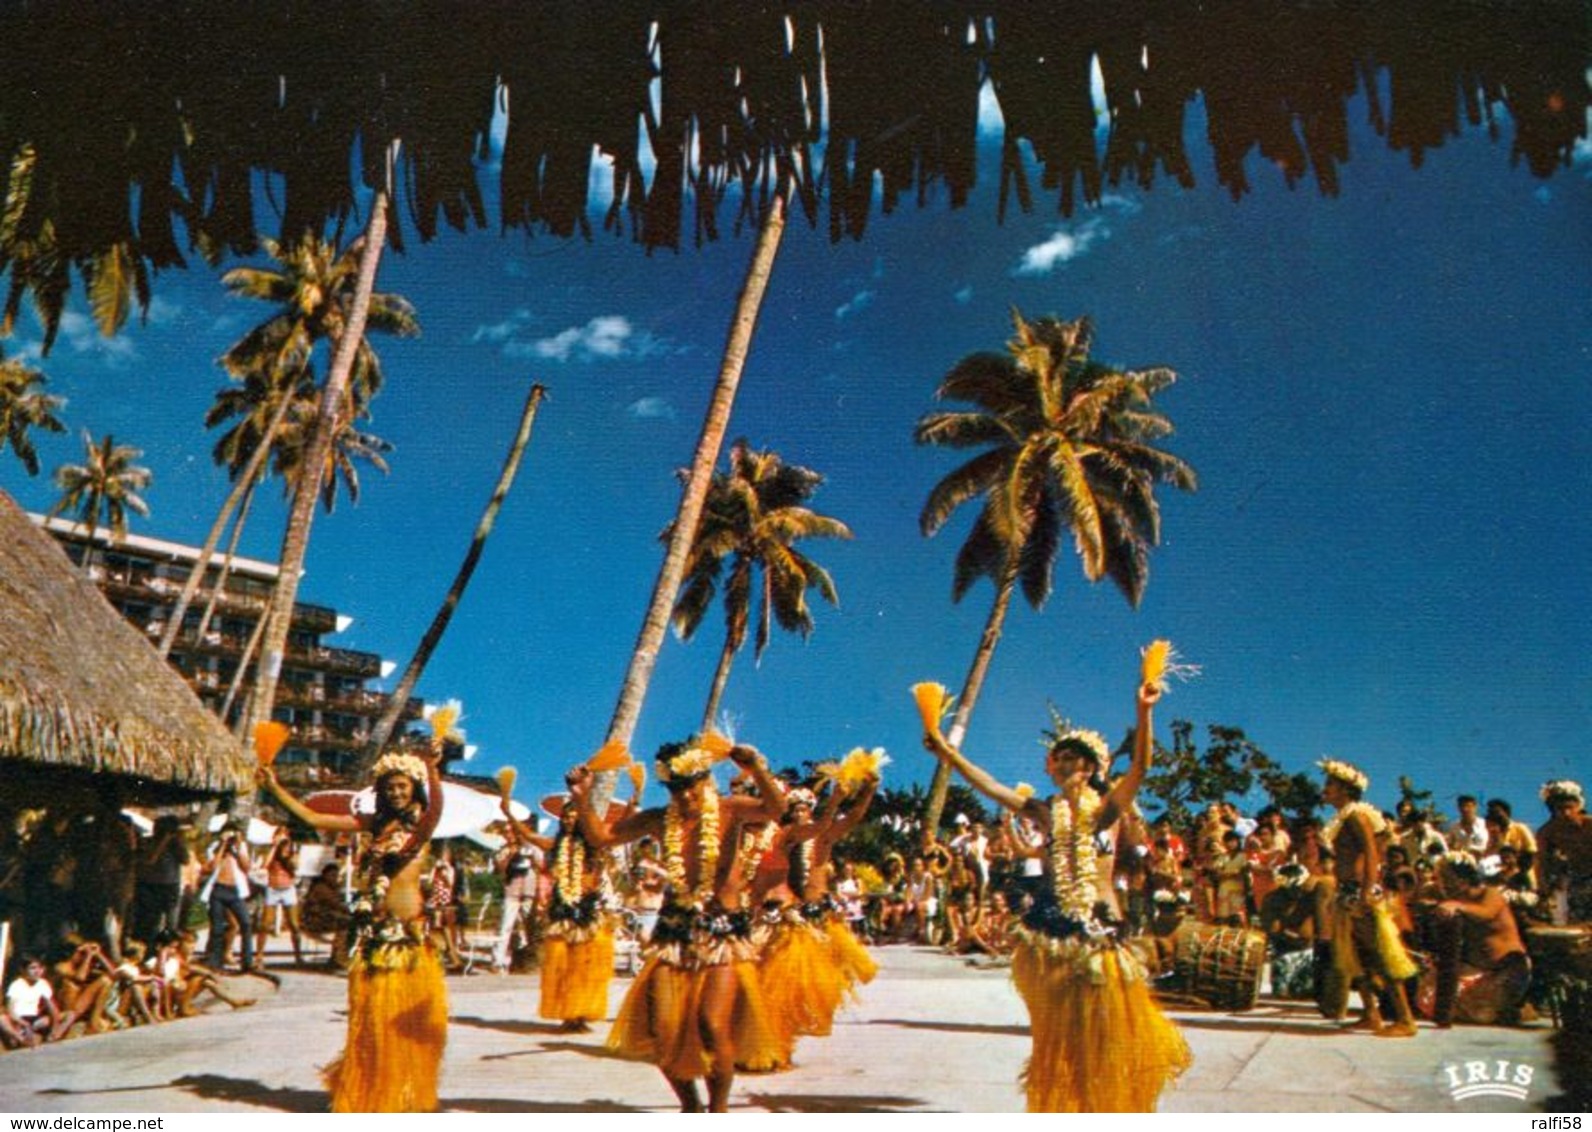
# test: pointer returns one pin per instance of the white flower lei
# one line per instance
(1329, 832)
(707, 849)
(569, 866)
(1073, 856)
(755, 845)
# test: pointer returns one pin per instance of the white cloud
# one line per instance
(857, 303)
(502, 331)
(604, 337)
(1062, 247)
(83, 337)
(651, 408)
(963, 295)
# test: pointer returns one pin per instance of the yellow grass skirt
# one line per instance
(660, 1020)
(855, 964)
(802, 987)
(397, 1026)
(1100, 1042)
(575, 976)
(1365, 941)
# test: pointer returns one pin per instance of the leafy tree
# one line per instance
(1066, 445)
(24, 406)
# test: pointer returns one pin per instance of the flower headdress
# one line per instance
(1345, 772)
(1561, 789)
(800, 796)
(683, 763)
(1087, 742)
(400, 762)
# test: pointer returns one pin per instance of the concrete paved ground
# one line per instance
(930, 1034)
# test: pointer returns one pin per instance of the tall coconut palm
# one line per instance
(439, 622)
(24, 406)
(1067, 445)
(357, 301)
(753, 516)
(716, 422)
(101, 490)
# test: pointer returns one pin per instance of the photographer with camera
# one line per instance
(226, 893)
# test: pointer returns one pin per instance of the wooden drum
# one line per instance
(1221, 966)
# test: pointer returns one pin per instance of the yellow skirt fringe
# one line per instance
(397, 1026)
(1362, 946)
(1100, 1042)
(802, 987)
(851, 957)
(575, 977)
(660, 1020)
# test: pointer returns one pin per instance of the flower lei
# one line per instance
(754, 847)
(1073, 865)
(1329, 832)
(707, 849)
(569, 866)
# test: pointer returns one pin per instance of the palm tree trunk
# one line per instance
(295, 541)
(226, 564)
(237, 680)
(439, 623)
(721, 677)
(243, 484)
(656, 623)
(971, 687)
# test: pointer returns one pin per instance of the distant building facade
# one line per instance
(324, 694)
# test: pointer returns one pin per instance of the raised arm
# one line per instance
(843, 824)
(428, 821)
(331, 823)
(1120, 800)
(770, 790)
(977, 777)
(523, 833)
(596, 832)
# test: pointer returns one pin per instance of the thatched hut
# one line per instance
(91, 721)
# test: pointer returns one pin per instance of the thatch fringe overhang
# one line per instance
(80, 688)
(140, 131)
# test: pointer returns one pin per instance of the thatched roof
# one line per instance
(81, 688)
(144, 127)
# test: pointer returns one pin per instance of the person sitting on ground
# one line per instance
(85, 982)
(325, 913)
(136, 993)
(195, 979)
(31, 1008)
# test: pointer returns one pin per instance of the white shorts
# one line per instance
(281, 897)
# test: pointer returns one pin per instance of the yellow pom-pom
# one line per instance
(505, 780)
(715, 744)
(1024, 790)
(269, 739)
(610, 756)
(444, 719)
(638, 777)
(933, 702)
(1159, 662)
(858, 766)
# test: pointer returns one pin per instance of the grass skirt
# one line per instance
(660, 1019)
(397, 1026)
(575, 976)
(851, 957)
(802, 986)
(1100, 1042)
(1365, 941)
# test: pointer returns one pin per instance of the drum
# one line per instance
(1221, 966)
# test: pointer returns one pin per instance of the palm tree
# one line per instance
(105, 486)
(716, 422)
(1067, 445)
(439, 622)
(357, 298)
(273, 373)
(25, 406)
(753, 516)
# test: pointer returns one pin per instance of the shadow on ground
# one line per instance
(808, 1102)
(951, 1027)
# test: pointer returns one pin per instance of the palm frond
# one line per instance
(963, 430)
(971, 480)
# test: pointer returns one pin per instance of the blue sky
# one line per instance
(1385, 395)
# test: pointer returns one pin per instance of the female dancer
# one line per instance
(397, 1001)
(1100, 1043)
